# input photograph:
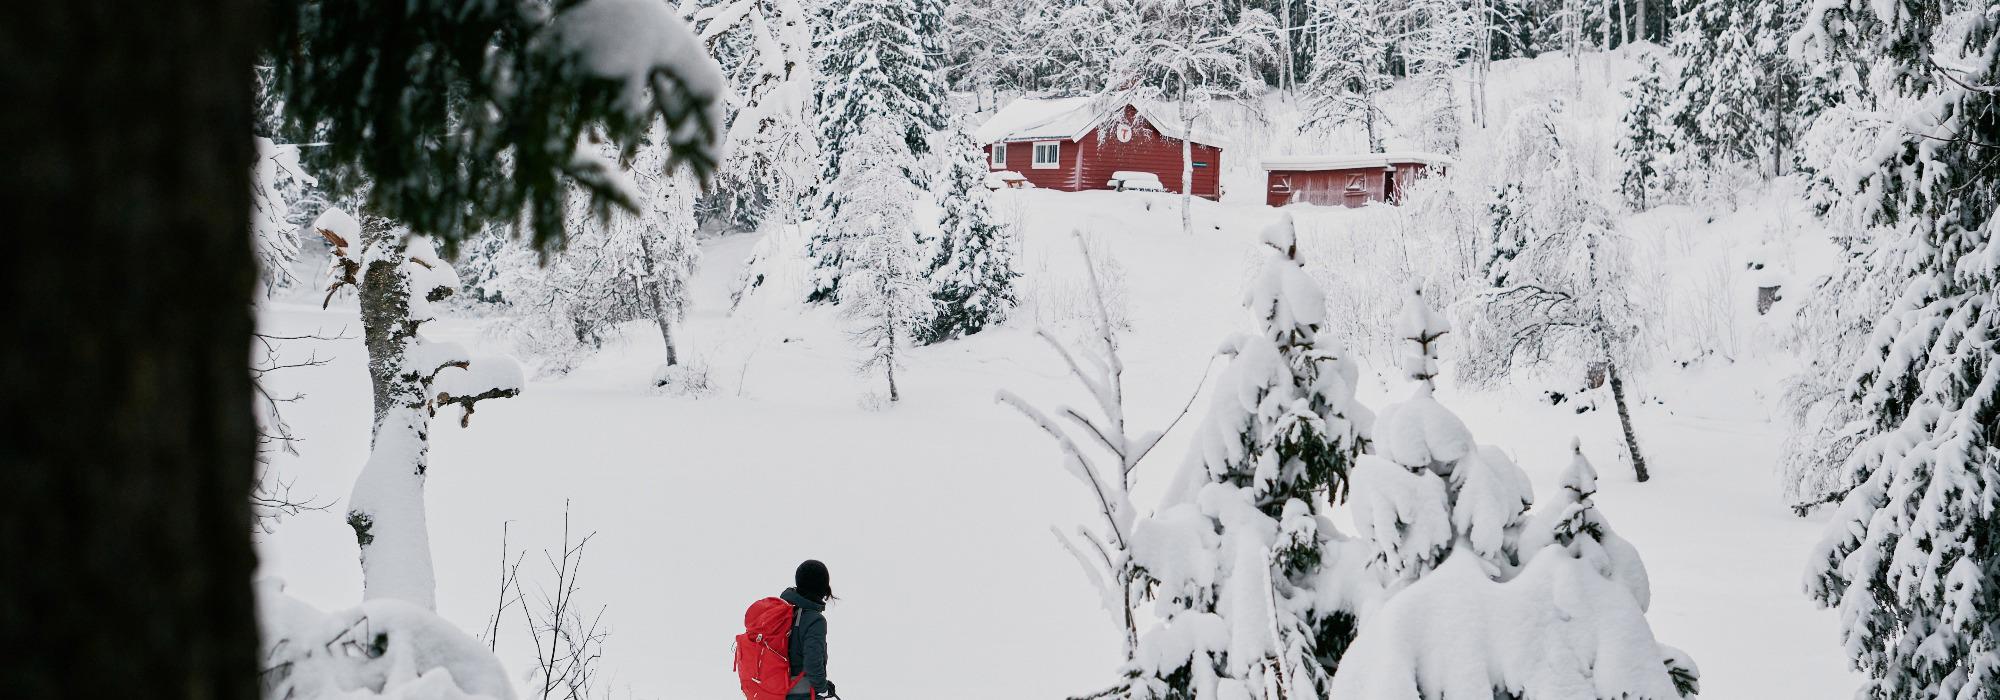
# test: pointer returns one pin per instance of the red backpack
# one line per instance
(762, 662)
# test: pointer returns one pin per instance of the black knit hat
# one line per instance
(812, 581)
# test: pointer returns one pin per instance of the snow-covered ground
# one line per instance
(934, 515)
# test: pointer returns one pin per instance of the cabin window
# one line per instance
(1048, 154)
(999, 156)
(1354, 183)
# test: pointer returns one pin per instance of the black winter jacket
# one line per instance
(808, 650)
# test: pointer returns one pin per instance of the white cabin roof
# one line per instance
(1065, 119)
(1349, 161)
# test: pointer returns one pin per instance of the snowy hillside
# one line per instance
(682, 547)
(910, 349)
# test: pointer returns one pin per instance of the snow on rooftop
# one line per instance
(1032, 118)
(1354, 160)
(1070, 118)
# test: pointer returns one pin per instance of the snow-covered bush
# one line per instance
(1105, 467)
(688, 379)
(1558, 629)
(382, 648)
(1487, 599)
(1066, 292)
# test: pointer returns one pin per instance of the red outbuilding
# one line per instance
(1073, 144)
(1346, 180)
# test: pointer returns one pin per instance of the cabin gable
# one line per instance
(1123, 141)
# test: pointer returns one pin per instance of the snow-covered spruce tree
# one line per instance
(1238, 554)
(1484, 598)
(765, 47)
(886, 298)
(1427, 489)
(1910, 558)
(1570, 621)
(1647, 148)
(1737, 95)
(972, 275)
(874, 71)
(1828, 423)
(1349, 69)
(1189, 54)
(1558, 280)
(1573, 522)
(1102, 452)
(399, 276)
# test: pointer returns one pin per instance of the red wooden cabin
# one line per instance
(1346, 180)
(1070, 144)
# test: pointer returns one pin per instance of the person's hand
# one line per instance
(828, 693)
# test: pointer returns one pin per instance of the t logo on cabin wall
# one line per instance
(1124, 133)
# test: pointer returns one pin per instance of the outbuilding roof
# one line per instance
(1065, 119)
(1351, 161)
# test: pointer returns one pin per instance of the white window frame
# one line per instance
(1000, 156)
(1357, 182)
(1038, 164)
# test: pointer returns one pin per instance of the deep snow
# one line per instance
(934, 515)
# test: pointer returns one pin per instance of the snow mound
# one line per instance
(1557, 630)
(1004, 179)
(382, 648)
(1403, 512)
(1420, 432)
(339, 223)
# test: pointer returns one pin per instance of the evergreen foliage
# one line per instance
(1486, 598)
(1238, 555)
(887, 297)
(1912, 556)
(765, 48)
(458, 116)
(1738, 93)
(972, 276)
(876, 68)
(1646, 149)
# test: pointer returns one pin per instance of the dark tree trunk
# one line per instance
(1625, 419)
(125, 553)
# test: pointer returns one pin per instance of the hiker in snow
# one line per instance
(811, 589)
(781, 654)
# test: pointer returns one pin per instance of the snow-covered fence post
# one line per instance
(398, 277)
